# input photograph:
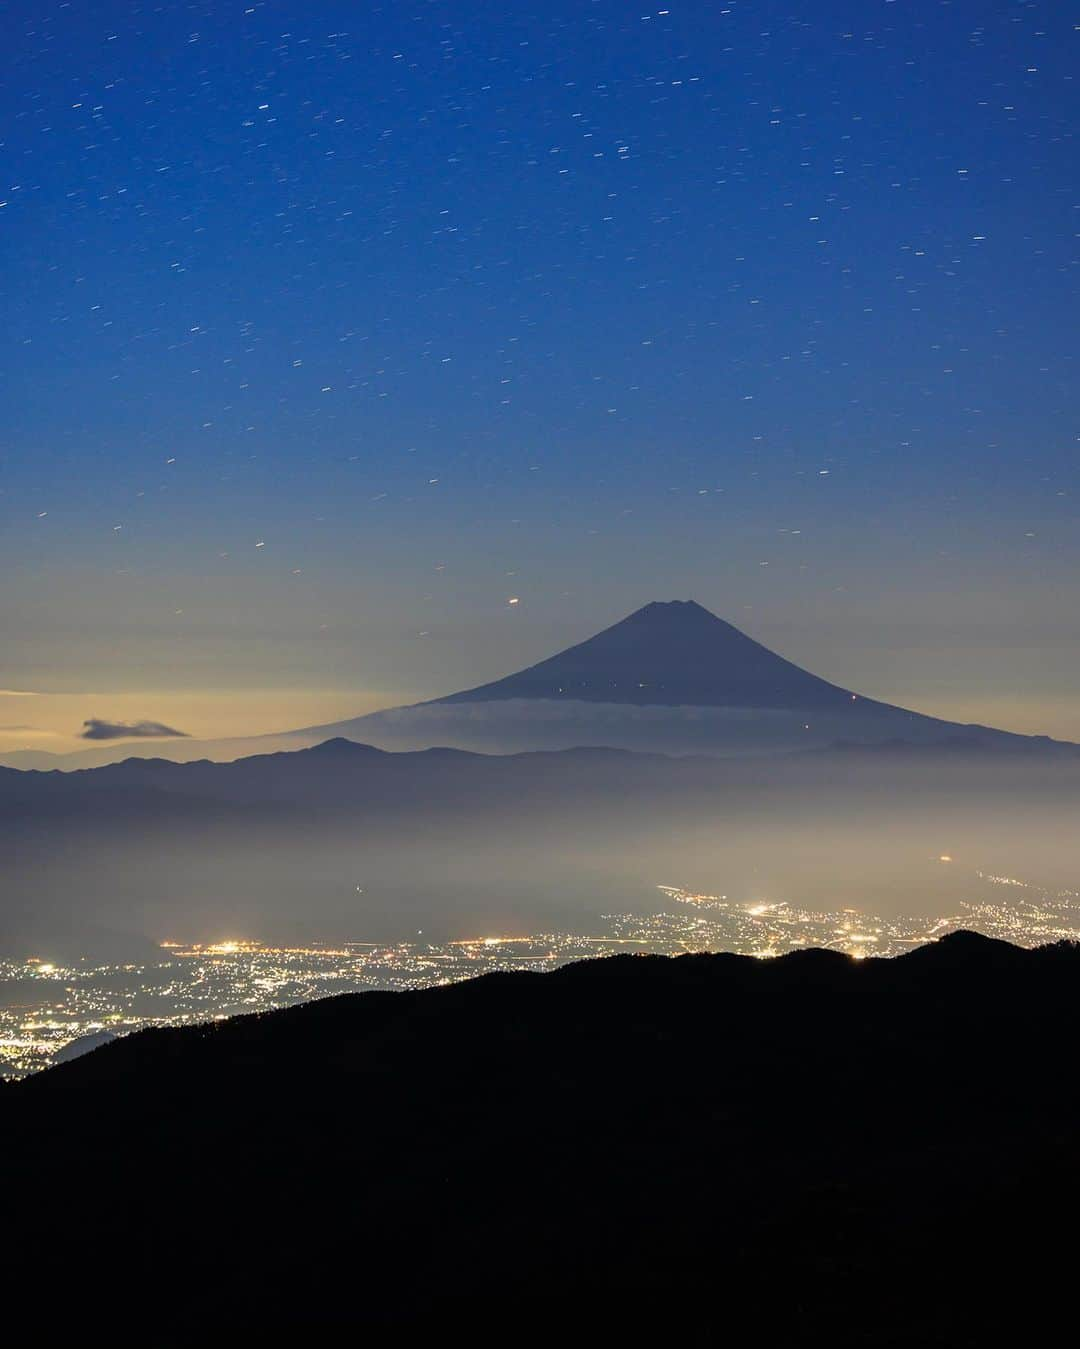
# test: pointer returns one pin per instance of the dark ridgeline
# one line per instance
(799, 1151)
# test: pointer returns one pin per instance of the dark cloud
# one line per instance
(96, 729)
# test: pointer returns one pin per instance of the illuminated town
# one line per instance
(45, 1008)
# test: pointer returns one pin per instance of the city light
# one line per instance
(192, 982)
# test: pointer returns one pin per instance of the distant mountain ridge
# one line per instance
(468, 841)
(342, 775)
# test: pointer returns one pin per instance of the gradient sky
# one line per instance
(329, 329)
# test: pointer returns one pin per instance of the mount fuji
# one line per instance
(670, 678)
(674, 678)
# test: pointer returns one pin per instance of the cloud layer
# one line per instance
(96, 729)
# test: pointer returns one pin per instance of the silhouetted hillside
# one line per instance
(806, 1150)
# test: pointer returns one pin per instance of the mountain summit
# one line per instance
(673, 654)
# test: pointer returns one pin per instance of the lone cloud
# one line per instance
(96, 729)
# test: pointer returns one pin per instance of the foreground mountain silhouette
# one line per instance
(817, 1149)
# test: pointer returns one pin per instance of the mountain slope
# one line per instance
(824, 1150)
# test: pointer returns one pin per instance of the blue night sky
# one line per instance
(330, 329)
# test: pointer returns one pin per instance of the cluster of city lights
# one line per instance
(47, 1007)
